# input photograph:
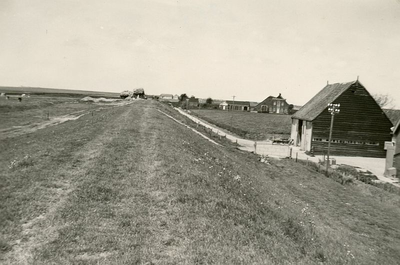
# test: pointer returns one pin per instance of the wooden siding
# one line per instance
(360, 129)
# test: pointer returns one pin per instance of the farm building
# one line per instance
(235, 105)
(253, 105)
(360, 129)
(272, 104)
(165, 97)
(168, 98)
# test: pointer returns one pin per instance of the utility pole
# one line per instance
(333, 109)
(233, 107)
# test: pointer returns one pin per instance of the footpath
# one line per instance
(374, 165)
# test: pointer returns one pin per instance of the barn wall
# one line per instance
(238, 107)
(360, 129)
(308, 136)
(294, 131)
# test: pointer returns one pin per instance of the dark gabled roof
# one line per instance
(271, 97)
(396, 128)
(320, 101)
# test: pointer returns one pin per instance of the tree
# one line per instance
(290, 109)
(384, 101)
(183, 97)
(209, 101)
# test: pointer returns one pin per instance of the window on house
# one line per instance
(274, 103)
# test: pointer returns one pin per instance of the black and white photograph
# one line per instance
(158, 132)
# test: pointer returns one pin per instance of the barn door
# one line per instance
(299, 132)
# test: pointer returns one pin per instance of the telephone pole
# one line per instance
(233, 107)
(333, 109)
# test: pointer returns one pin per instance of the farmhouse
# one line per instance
(235, 105)
(165, 97)
(272, 104)
(360, 129)
(168, 98)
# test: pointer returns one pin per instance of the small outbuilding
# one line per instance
(360, 129)
(165, 97)
(273, 104)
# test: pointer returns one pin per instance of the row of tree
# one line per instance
(183, 97)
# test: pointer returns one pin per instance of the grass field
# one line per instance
(130, 186)
(55, 92)
(254, 126)
(38, 109)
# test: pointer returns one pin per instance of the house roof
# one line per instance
(320, 101)
(253, 103)
(393, 115)
(279, 97)
(396, 127)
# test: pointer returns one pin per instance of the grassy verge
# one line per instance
(253, 126)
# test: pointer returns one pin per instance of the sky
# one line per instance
(249, 49)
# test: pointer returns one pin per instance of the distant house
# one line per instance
(272, 104)
(165, 97)
(168, 98)
(360, 129)
(235, 105)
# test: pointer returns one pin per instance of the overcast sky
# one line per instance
(207, 48)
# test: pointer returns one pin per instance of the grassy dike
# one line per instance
(131, 186)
